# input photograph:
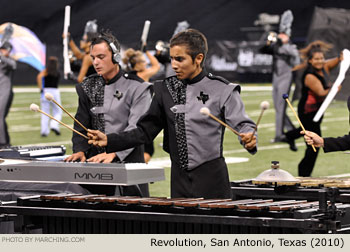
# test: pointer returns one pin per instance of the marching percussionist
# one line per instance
(109, 101)
(195, 142)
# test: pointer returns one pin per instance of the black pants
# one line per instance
(307, 164)
(209, 180)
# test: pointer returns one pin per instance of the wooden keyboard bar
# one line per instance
(168, 202)
(198, 202)
(134, 200)
(59, 196)
(265, 205)
(82, 197)
(234, 204)
(108, 199)
(206, 203)
(297, 205)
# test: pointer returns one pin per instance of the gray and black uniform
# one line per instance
(194, 141)
(285, 57)
(111, 107)
(7, 66)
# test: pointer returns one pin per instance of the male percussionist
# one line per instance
(195, 142)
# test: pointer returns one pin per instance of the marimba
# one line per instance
(72, 213)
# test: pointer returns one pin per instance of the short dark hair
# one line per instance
(195, 41)
(52, 66)
(107, 37)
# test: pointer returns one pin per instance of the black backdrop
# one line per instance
(222, 21)
(333, 26)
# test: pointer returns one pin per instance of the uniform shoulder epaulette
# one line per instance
(219, 78)
(132, 77)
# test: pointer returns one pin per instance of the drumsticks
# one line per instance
(49, 97)
(206, 111)
(263, 105)
(285, 96)
(36, 108)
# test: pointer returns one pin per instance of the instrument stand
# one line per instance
(327, 205)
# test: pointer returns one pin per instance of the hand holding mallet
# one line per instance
(285, 96)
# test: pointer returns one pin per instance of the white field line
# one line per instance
(36, 90)
(25, 117)
(20, 109)
(27, 128)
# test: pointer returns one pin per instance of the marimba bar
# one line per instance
(128, 214)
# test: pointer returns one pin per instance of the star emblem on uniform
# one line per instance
(203, 97)
(118, 94)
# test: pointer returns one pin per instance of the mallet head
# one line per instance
(34, 107)
(285, 96)
(204, 111)
(48, 96)
(264, 105)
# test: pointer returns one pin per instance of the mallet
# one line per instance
(206, 111)
(49, 97)
(263, 105)
(285, 96)
(36, 108)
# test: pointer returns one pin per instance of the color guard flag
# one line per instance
(27, 48)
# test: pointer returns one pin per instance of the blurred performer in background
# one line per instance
(163, 57)
(83, 53)
(110, 101)
(137, 65)
(195, 142)
(316, 86)
(7, 66)
(285, 57)
(47, 81)
(162, 49)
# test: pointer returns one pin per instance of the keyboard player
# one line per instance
(110, 101)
